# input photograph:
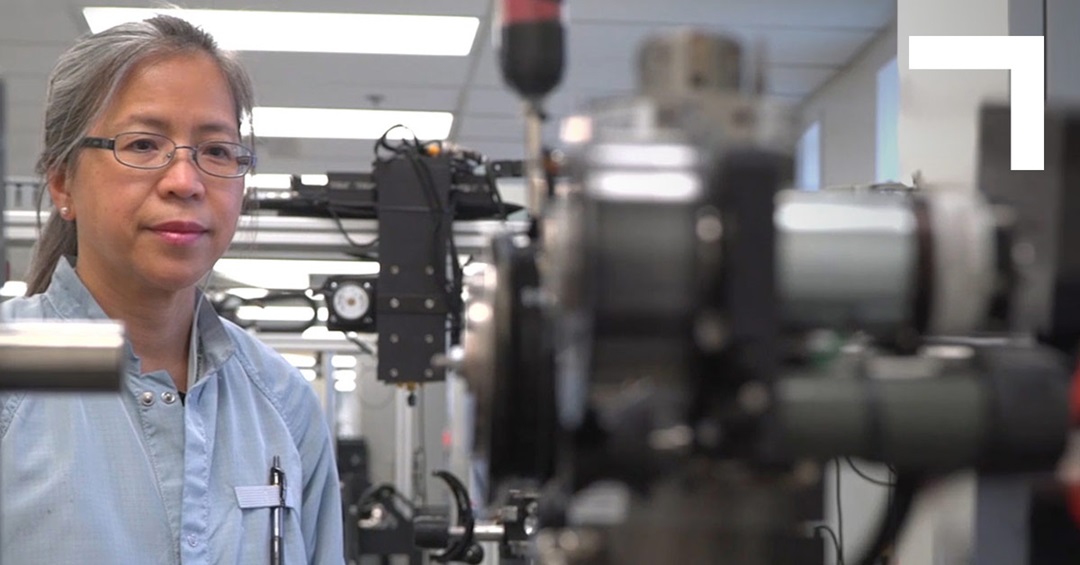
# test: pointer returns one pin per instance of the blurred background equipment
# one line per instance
(704, 362)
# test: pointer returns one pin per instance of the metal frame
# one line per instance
(287, 237)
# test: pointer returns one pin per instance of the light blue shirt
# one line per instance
(143, 478)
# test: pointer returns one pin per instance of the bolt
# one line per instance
(394, 269)
(710, 331)
(709, 229)
(429, 373)
(429, 303)
(394, 303)
(429, 270)
(394, 338)
(393, 373)
(673, 438)
(429, 338)
(710, 434)
(754, 398)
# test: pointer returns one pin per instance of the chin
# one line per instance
(176, 277)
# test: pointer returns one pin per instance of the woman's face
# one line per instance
(163, 229)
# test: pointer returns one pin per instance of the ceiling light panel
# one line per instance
(334, 123)
(314, 32)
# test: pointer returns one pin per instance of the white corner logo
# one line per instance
(1023, 55)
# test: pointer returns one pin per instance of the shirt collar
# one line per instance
(69, 296)
(73, 301)
(217, 346)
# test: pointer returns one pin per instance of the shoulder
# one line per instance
(258, 356)
(273, 375)
(34, 307)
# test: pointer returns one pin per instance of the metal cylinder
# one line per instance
(640, 251)
(934, 423)
(482, 531)
(1006, 411)
(61, 356)
(846, 260)
(689, 61)
(883, 262)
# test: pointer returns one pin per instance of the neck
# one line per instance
(157, 323)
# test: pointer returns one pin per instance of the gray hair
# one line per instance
(81, 86)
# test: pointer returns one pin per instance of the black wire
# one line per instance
(450, 288)
(363, 346)
(868, 478)
(281, 296)
(836, 542)
(403, 146)
(901, 499)
(385, 489)
(373, 245)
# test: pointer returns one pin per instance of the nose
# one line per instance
(182, 177)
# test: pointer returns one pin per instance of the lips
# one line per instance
(179, 232)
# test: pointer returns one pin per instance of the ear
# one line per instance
(59, 191)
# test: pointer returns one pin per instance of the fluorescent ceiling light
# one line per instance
(343, 361)
(315, 180)
(333, 123)
(344, 386)
(313, 32)
(345, 375)
(283, 181)
(287, 273)
(276, 181)
(299, 360)
(12, 289)
(275, 313)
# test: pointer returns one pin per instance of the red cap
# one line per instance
(530, 11)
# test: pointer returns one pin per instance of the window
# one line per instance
(888, 117)
(808, 159)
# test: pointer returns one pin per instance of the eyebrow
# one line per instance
(162, 125)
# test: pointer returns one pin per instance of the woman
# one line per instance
(144, 163)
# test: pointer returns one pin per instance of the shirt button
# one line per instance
(168, 397)
(146, 398)
(192, 540)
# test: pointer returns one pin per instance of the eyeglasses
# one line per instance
(143, 150)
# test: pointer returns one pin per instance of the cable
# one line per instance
(836, 542)
(450, 288)
(373, 245)
(868, 478)
(382, 143)
(365, 348)
(900, 502)
(383, 493)
(413, 151)
(229, 305)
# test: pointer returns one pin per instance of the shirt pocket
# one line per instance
(256, 504)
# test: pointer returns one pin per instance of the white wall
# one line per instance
(846, 107)
(940, 109)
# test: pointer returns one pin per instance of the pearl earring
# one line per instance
(64, 211)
